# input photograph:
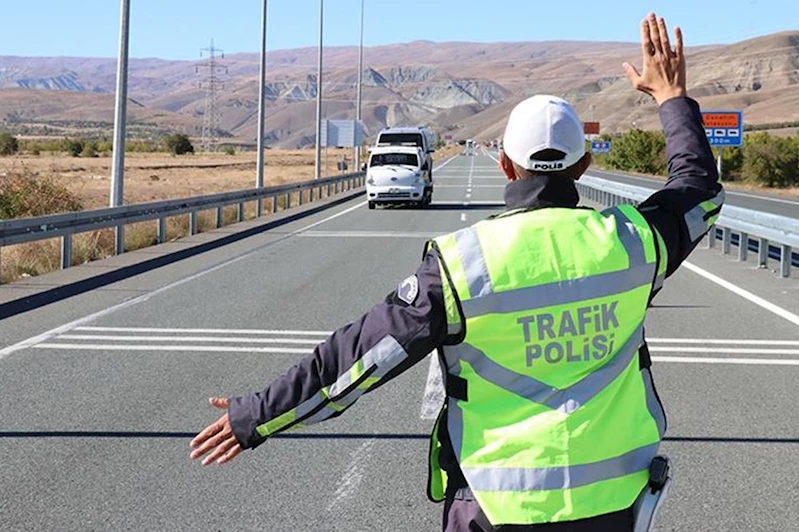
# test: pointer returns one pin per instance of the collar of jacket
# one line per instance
(541, 191)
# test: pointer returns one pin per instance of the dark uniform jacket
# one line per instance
(420, 327)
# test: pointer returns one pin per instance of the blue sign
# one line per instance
(600, 147)
(724, 128)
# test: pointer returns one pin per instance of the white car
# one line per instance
(398, 174)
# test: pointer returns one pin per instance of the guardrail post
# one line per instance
(219, 216)
(1, 265)
(274, 204)
(288, 200)
(119, 240)
(328, 190)
(726, 240)
(194, 220)
(161, 230)
(259, 208)
(762, 253)
(786, 256)
(240, 213)
(66, 251)
(711, 237)
(300, 197)
(743, 247)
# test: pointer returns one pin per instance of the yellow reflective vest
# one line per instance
(551, 415)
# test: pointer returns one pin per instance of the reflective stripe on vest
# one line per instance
(560, 422)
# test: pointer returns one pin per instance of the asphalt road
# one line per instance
(100, 394)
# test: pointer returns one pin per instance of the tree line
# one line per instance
(177, 144)
(764, 159)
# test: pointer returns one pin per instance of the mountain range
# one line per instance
(461, 89)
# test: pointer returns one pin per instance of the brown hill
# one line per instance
(462, 89)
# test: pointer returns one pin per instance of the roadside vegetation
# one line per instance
(763, 161)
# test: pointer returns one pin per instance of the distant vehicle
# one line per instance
(418, 137)
(398, 174)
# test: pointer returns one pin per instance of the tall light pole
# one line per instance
(360, 94)
(319, 92)
(120, 126)
(259, 179)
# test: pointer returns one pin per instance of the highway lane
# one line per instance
(133, 382)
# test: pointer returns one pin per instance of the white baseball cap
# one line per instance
(540, 123)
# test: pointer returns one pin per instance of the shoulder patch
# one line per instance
(408, 289)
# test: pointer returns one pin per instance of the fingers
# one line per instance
(663, 33)
(654, 34)
(632, 73)
(230, 455)
(209, 432)
(220, 451)
(646, 40)
(211, 443)
(679, 41)
(219, 402)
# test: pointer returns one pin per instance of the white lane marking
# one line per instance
(721, 350)
(463, 217)
(468, 196)
(368, 234)
(445, 163)
(349, 483)
(43, 337)
(203, 331)
(470, 186)
(220, 339)
(720, 341)
(771, 307)
(180, 348)
(734, 361)
(434, 395)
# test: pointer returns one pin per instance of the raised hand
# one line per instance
(663, 75)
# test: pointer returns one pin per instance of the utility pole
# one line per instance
(259, 178)
(319, 92)
(212, 85)
(120, 125)
(360, 93)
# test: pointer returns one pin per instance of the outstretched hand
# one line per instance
(217, 438)
(663, 75)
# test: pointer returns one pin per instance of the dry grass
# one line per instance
(149, 177)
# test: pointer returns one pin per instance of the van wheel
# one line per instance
(371, 205)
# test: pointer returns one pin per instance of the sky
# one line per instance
(178, 29)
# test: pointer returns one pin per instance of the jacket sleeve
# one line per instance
(356, 359)
(683, 211)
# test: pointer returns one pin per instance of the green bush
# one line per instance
(732, 162)
(73, 147)
(179, 144)
(230, 151)
(24, 194)
(770, 161)
(9, 145)
(639, 151)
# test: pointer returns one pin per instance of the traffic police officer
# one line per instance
(551, 418)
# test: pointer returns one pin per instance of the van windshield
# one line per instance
(401, 139)
(383, 159)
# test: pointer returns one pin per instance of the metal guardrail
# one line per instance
(22, 230)
(772, 236)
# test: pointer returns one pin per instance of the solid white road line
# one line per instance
(203, 331)
(771, 307)
(368, 234)
(720, 341)
(734, 361)
(463, 217)
(722, 350)
(181, 348)
(220, 339)
(43, 337)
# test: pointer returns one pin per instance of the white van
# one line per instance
(418, 137)
(398, 174)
